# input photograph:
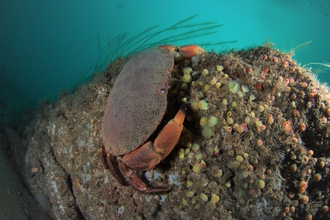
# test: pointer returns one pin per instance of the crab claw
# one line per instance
(147, 156)
(184, 52)
(172, 49)
(188, 51)
(150, 154)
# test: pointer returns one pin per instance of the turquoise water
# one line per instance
(45, 45)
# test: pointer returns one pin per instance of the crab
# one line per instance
(135, 107)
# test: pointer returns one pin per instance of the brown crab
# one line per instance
(135, 107)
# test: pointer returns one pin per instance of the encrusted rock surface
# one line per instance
(255, 146)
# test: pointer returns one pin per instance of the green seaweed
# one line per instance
(299, 46)
(82, 77)
(123, 45)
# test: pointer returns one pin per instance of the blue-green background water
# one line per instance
(45, 45)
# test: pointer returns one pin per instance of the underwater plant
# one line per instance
(123, 45)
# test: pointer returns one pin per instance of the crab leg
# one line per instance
(111, 164)
(137, 183)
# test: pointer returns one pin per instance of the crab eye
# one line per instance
(162, 90)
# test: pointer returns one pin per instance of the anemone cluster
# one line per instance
(263, 140)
